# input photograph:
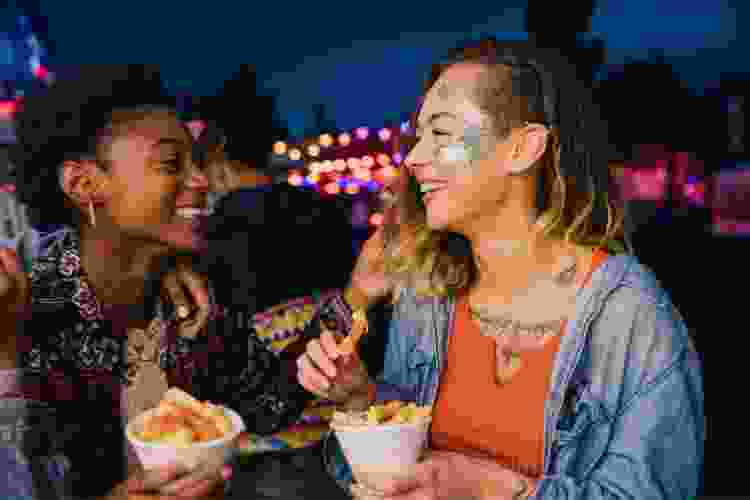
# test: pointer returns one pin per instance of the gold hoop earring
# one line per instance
(92, 214)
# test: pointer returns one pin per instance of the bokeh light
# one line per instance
(405, 127)
(279, 147)
(340, 165)
(368, 161)
(397, 158)
(362, 133)
(345, 139)
(325, 140)
(352, 188)
(384, 160)
(313, 178)
(384, 134)
(353, 163)
(332, 188)
(314, 167)
(326, 166)
(295, 179)
(295, 154)
(313, 150)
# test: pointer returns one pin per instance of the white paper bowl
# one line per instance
(152, 455)
(378, 454)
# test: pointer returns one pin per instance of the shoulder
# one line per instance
(635, 322)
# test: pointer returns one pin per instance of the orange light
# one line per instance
(332, 188)
(326, 140)
(313, 150)
(363, 174)
(352, 189)
(345, 139)
(315, 167)
(376, 219)
(279, 147)
(295, 154)
(367, 161)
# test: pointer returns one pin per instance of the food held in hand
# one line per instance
(181, 420)
(392, 412)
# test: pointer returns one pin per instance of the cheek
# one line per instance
(144, 203)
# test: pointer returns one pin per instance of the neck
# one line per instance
(506, 243)
(116, 266)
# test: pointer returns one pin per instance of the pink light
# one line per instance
(8, 108)
(368, 161)
(362, 133)
(345, 139)
(397, 158)
(196, 128)
(296, 180)
(384, 134)
(8, 188)
(41, 72)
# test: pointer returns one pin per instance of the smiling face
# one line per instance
(153, 190)
(458, 160)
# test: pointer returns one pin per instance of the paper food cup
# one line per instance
(380, 453)
(152, 455)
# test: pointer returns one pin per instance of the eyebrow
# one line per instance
(435, 116)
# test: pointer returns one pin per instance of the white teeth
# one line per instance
(427, 187)
(189, 213)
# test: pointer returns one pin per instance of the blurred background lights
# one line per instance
(295, 179)
(326, 140)
(384, 160)
(326, 166)
(404, 127)
(313, 178)
(345, 139)
(339, 165)
(279, 147)
(384, 134)
(353, 163)
(352, 188)
(332, 188)
(367, 161)
(295, 154)
(313, 150)
(397, 158)
(362, 133)
(315, 167)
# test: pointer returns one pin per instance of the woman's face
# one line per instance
(458, 161)
(155, 192)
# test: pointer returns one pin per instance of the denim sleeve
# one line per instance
(392, 382)
(656, 446)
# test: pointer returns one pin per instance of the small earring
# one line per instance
(92, 214)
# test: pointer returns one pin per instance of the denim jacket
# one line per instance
(624, 417)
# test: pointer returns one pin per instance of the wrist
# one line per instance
(362, 400)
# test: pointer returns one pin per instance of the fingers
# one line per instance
(199, 482)
(176, 294)
(13, 279)
(319, 351)
(311, 378)
(152, 479)
(197, 287)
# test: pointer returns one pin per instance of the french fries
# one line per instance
(181, 420)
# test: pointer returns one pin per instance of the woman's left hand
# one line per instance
(193, 308)
(448, 475)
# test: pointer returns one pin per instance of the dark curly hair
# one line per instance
(64, 123)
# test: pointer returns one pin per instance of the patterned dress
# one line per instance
(62, 414)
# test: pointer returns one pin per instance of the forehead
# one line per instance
(453, 93)
(152, 132)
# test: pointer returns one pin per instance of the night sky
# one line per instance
(365, 61)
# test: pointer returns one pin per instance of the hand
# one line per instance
(327, 372)
(14, 297)
(170, 482)
(222, 177)
(369, 281)
(448, 475)
(193, 309)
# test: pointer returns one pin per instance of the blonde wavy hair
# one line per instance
(573, 205)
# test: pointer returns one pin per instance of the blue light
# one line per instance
(373, 186)
(343, 183)
(692, 179)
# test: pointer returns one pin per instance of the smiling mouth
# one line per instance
(192, 213)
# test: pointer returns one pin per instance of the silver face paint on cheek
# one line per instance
(473, 142)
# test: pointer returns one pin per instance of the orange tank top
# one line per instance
(475, 416)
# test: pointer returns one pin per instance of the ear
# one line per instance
(529, 145)
(82, 181)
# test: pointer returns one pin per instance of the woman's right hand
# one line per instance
(327, 372)
(14, 296)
